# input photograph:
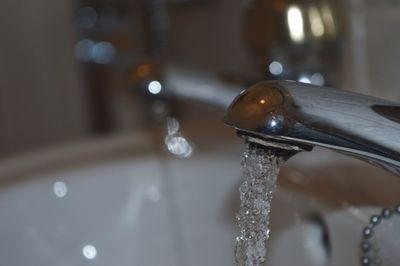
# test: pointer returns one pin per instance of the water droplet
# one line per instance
(179, 146)
(154, 87)
(175, 142)
(60, 189)
(172, 125)
(89, 252)
(275, 68)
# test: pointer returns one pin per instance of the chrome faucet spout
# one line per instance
(299, 116)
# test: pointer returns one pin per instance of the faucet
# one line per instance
(190, 83)
(295, 117)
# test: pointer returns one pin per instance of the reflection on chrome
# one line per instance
(328, 19)
(87, 50)
(172, 125)
(83, 50)
(275, 68)
(295, 23)
(103, 53)
(316, 23)
(304, 79)
(154, 87)
(60, 189)
(317, 79)
(273, 123)
(89, 252)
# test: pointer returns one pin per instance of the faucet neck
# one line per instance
(304, 115)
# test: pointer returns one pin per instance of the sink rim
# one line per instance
(74, 154)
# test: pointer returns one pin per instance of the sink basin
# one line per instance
(117, 202)
(120, 201)
(350, 192)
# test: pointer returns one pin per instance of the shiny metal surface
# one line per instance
(191, 84)
(305, 116)
(198, 85)
(304, 38)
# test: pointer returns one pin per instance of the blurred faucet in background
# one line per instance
(287, 40)
(296, 40)
(130, 57)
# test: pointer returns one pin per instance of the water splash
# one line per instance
(175, 142)
(260, 169)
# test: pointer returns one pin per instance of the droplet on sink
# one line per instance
(60, 189)
(89, 252)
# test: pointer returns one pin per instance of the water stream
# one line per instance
(260, 169)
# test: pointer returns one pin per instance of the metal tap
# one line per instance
(296, 117)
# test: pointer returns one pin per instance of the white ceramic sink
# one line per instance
(122, 202)
(127, 206)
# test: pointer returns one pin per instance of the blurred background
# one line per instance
(76, 69)
(92, 90)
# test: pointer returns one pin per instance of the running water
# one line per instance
(260, 170)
